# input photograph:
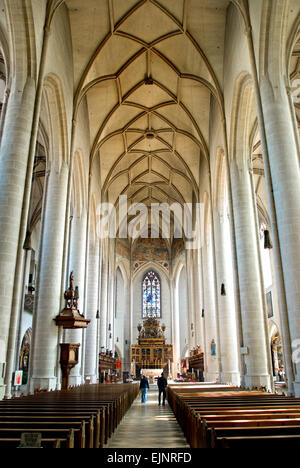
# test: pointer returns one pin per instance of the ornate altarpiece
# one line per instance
(151, 352)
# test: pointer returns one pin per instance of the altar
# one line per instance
(151, 355)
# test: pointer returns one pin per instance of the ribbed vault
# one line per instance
(149, 78)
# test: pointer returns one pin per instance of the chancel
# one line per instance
(149, 222)
(152, 352)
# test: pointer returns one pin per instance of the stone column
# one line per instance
(45, 348)
(191, 295)
(254, 337)
(13, 167)
(103, 310)
(111, 298)
(285, 175)
(110, 310)
(227, 319)
(198, 299)
(77, 265)
(3, 111)
(176, 328)
(92, 305)
(210, 319)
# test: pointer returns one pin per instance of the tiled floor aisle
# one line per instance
(149, 426)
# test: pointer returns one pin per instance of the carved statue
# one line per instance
(72, 296)
(151, 329)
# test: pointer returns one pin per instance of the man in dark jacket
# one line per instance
(144, 387)
(162, 384)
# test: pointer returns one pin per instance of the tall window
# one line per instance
(151, 295)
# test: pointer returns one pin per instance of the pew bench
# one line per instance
(261, 442)
(66, 436)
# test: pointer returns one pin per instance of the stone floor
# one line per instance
(148, 426)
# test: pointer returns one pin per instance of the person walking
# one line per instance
(144, 387)
(162, 384)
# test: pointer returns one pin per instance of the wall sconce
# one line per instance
(110, 336)
(97, 315)
(202, 315)
(223, 291)
(109, 327)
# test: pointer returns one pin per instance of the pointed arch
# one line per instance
(57, 121)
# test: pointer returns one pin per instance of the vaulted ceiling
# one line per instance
(148, 70)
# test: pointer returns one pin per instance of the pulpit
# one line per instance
(69, 357)
(70, 317)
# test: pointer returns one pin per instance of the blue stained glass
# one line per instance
(151, 296)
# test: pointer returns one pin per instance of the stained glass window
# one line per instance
(151, 295)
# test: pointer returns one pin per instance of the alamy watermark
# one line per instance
(154, 221)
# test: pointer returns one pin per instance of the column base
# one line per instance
(257, 381)
(233, 378)
(296, 389)
(43, 383)
(211, 377)
(91, 379)
(75, 380)
(2, 391)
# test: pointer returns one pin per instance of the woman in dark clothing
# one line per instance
(144, 387)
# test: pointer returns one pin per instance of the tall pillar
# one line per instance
(103, 311)
(255, 346)
(77, 265)
(176, 327)
(111, 298)
(14, 152)
(227, 322)
(92, 305)
(3, 111)
(210, 319)
(198, 299)
(191, 303)
(283, 159)
(45, 348)
(110, 310)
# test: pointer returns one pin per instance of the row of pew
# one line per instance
(228, 417)
(82, 417)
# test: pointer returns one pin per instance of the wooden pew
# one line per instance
(216, 434)
(206, 416)
(93, 412)
(46, 443)
(85, 424)
(79, 429)
(66, 436)
(94, 419)
(259, 442)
